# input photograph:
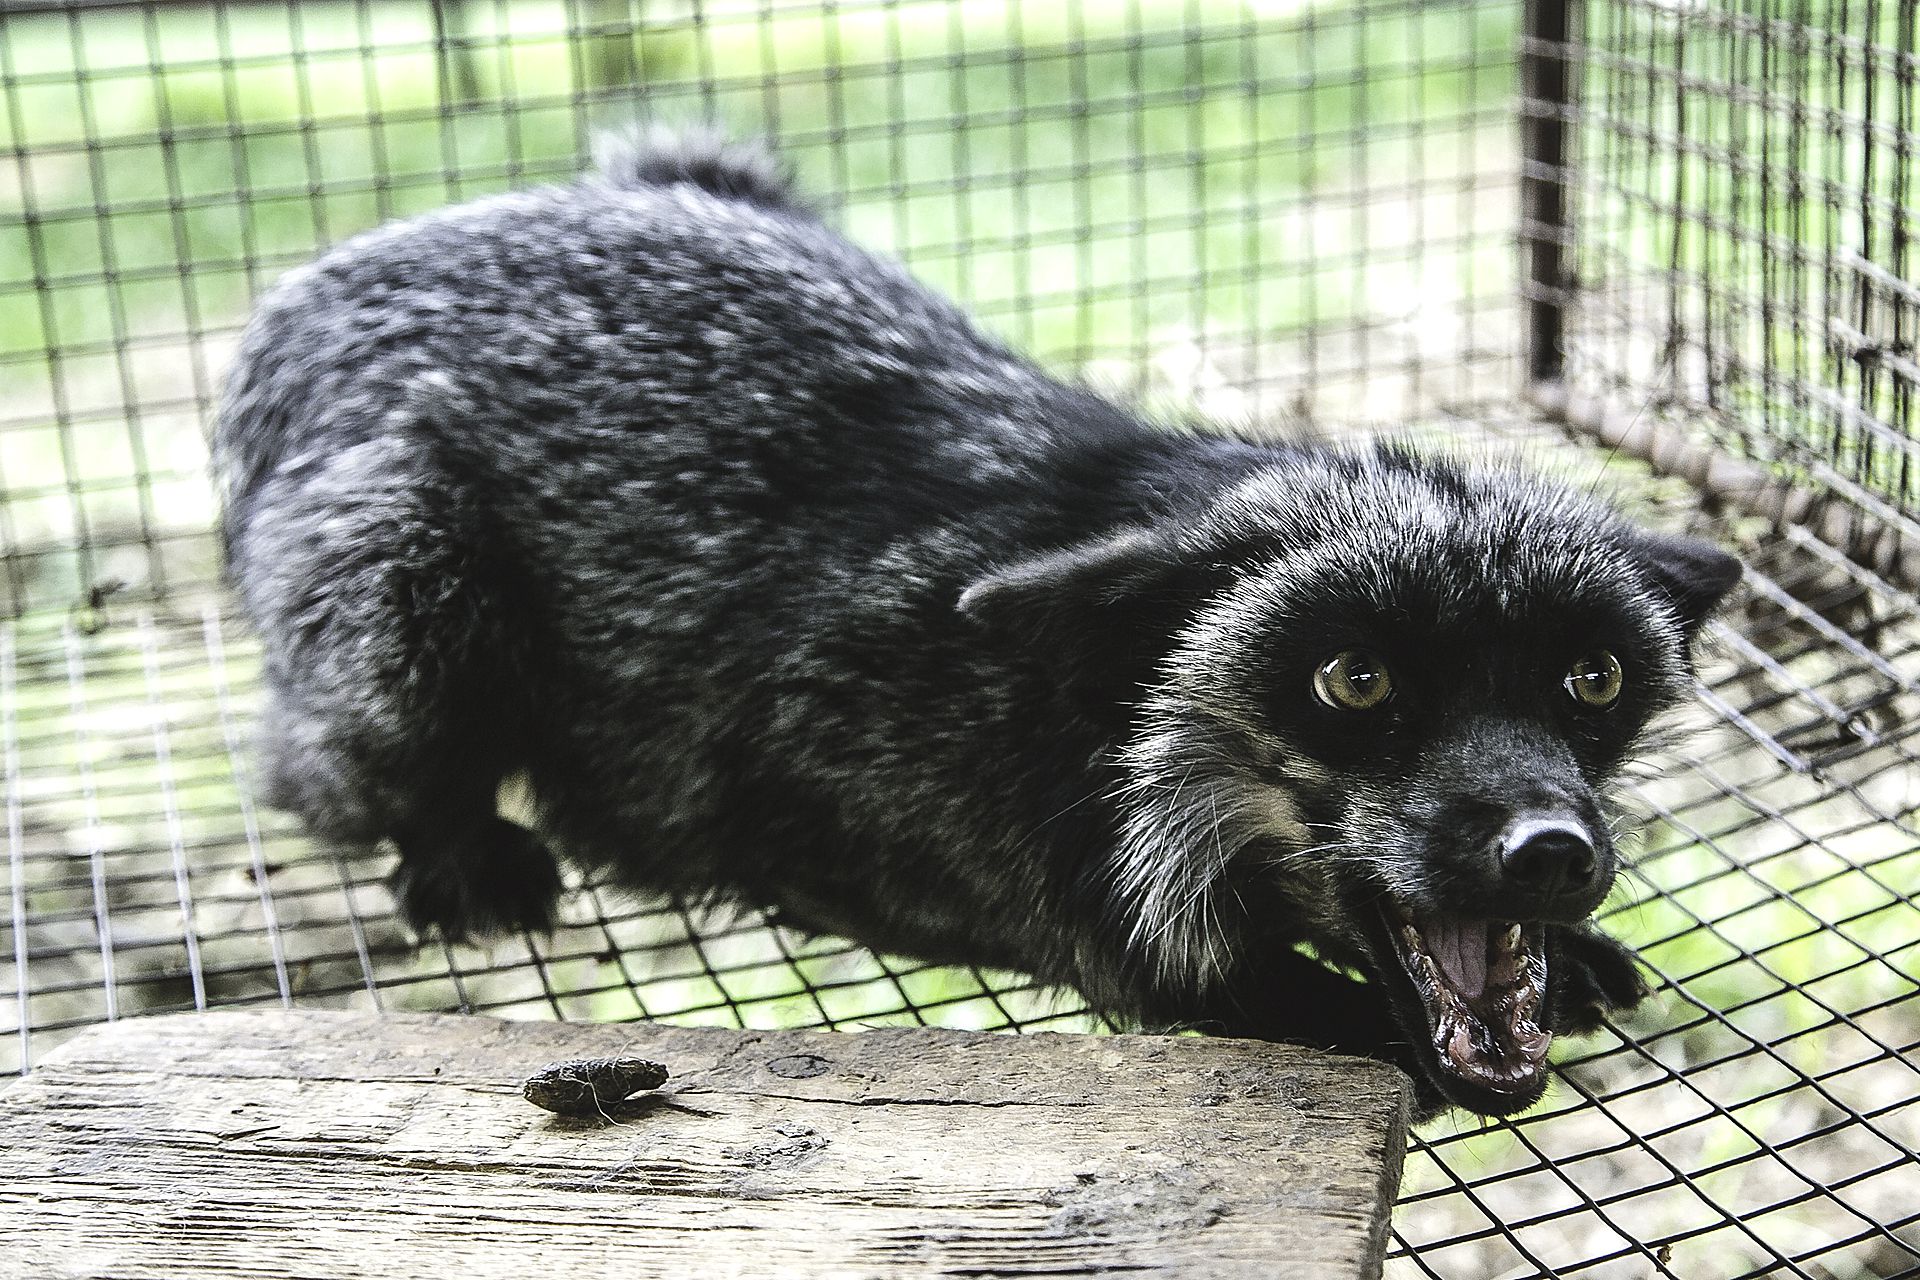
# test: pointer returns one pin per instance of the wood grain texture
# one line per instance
(292, 1144)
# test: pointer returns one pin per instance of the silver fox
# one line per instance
(778, 580)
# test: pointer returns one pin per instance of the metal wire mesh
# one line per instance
(1740, 262)
(1265, 208)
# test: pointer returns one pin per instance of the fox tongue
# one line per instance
(1482, 982)
(1459, 948)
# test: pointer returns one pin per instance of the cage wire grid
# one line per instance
(1679, 228)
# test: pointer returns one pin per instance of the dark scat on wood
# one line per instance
(588, 1086)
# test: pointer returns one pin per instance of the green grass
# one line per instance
(1100, 182)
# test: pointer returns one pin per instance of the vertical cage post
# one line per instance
(1546, 99)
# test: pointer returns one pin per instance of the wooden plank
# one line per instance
(296, 1144)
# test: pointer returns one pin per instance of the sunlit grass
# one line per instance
(1104, 184)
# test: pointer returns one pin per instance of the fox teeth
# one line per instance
(1513, 937)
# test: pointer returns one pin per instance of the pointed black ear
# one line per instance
(1115, 600)
(1693, 575)
(1061, 584)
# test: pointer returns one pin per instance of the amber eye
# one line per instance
(1352, 680)
(1596, 679)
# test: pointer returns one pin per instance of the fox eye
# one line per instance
(1596, 679)
(1352, 680)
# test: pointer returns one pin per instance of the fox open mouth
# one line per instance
(1482, 983)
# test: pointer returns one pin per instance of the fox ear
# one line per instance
(1694, 576)
(1124, 592)
(1098, 574)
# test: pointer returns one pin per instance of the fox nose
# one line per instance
(1548, 856)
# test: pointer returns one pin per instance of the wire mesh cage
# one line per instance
(1661, 247)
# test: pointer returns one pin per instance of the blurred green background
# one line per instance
(1241, 204)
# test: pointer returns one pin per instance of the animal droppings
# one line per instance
(588, 1086)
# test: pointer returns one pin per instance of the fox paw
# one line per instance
(498, 880)
(1588, 975)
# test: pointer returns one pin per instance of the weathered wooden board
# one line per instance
(332, 1145)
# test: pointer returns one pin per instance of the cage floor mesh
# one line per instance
(1758, 1117)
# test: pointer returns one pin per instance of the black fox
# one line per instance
(775, 578)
